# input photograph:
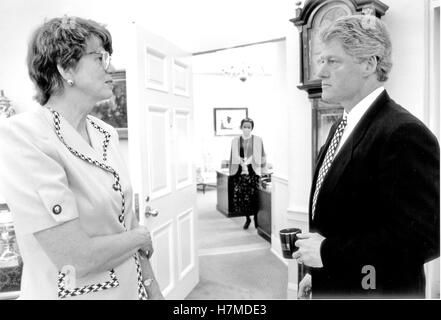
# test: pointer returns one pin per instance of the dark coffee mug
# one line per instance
(288, 238)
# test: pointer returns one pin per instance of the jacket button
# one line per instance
(115, 187)
(57, 209)
(121, 218)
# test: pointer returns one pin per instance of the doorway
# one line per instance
(236, 263)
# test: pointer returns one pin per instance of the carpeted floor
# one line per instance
(217, 232)
(234, 263)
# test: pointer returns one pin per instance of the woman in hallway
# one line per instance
(64, 177)
(247, 164)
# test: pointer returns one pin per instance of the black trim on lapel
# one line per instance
(345, 155)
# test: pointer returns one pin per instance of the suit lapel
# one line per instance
(344, 157)
(97, 139)
(366, 121)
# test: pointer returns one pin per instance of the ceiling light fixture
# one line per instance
(243, 71)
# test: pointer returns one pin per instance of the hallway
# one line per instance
(234, 263)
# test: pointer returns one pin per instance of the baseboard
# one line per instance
(280, 179)
(233, 249)
(281, 258)
(291, 291)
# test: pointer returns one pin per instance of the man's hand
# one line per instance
(305, 287)
(309, 249)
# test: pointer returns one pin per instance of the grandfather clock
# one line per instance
(314, 15)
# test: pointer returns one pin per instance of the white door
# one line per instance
(160, 118)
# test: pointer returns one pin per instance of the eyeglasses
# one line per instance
(105, 58)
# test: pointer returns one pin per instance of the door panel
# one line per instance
(156, 70)
(162, 260)
(186, 236)
(183, 154)
(181, 78)
(158, 152)
(160, 118)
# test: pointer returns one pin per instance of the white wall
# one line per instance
(264, 96)
(407, 23)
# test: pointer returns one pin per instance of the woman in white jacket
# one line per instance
(247, 164)
(65, 180)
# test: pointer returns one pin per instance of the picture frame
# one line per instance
(114, 110)
(227, 121)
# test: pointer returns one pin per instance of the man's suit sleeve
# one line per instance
(409, 196)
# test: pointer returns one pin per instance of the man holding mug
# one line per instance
(374, 203)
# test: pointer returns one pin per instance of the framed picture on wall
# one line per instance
(227, 121)
(114, 110)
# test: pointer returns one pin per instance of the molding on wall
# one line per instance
(233, 249)
(292, 287)
(299, 214)
(291, 291)
(277, 254)
(239, 46)
(280, 179)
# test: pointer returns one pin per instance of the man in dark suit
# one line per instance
(374, 205)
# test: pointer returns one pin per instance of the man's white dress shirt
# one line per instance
(354, 116)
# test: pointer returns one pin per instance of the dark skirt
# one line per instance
(245, 195)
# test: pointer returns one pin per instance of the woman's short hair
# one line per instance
(362, 37)
(60, 41)
(247, 120)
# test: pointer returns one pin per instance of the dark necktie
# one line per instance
(329, 157)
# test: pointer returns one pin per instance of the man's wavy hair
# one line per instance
(363, 36)
(60, 41)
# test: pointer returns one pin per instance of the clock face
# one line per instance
(325, 16)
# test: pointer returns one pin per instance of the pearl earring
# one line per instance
(70, 82)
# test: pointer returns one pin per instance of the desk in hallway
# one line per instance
(264, 214)
(225, 203)
(225, 193)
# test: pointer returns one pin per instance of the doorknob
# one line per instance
(150, 212)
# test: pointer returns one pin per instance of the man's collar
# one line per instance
(361, 107)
